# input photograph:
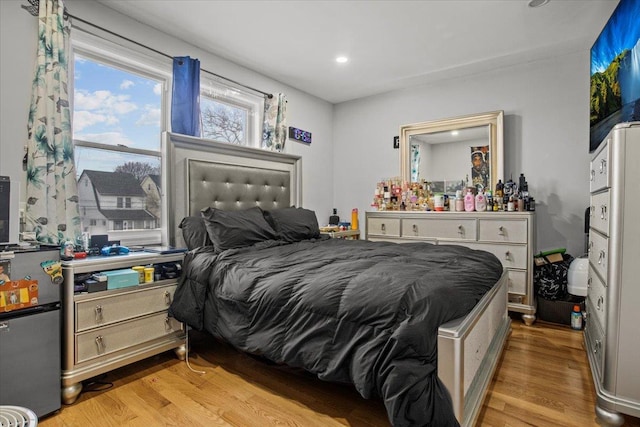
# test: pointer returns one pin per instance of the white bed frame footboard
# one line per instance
(469, 350)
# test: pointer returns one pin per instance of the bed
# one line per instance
(420, 326)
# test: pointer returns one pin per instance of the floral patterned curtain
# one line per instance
(274, 131)
(51, 193)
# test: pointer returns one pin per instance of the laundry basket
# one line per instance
(16, 416)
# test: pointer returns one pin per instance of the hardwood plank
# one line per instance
(543, 379)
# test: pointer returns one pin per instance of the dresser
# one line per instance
(510, 236)
(108, 329)
(613, 295)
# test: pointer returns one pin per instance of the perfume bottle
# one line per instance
(459, 203)
(334, 219)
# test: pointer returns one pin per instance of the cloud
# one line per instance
(157, 88)
(103, 102)
(126, 84)
(83, 119)
(150, 117)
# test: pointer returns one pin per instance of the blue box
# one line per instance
(121, 278)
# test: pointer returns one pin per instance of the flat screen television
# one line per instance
(615, 72)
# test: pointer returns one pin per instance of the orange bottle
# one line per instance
(354, 219)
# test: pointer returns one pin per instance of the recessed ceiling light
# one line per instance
(454, 132)
(341, 59)
(537, 3)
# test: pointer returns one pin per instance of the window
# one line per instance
(118, 106)
(230, 114)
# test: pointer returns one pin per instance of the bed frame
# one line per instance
(203, 173)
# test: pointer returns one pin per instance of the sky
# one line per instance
(112, 106)
(621, 32)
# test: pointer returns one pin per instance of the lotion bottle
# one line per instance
(481, 202)
(469, 202)
(459, 203)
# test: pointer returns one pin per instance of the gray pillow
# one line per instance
(236, 229)
(294, 224)
(194, 232)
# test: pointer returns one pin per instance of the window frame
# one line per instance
(216, 90)
(135, 61)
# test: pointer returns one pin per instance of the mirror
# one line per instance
(454, 153)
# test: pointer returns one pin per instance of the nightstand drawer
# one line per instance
(440, 228)
(599, 166)
(501, 230)
(102, 341)
(383, 227)
(123, 306)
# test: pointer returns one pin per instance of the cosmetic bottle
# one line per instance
(459, 203)
(499, 189)
(481, 202)
(334, 219)
(511, 204)
(489, 200)
(469, 202)
(354, 219)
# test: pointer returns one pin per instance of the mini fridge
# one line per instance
(30, 289)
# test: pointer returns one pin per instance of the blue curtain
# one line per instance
(185, 99)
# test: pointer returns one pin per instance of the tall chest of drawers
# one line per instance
(613, 296)
(105, 330)
(510, 236)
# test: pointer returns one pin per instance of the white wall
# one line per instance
(546, 137)
(18, 37)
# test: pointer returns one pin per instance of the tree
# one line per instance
(138, 169)
(223, 123)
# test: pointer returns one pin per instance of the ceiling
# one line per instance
(390, 44)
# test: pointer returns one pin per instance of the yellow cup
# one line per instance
(148, 274)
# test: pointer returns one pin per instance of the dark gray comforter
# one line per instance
(352, 311)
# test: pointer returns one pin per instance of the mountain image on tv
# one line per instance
(615, 72)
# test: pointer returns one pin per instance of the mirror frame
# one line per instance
(495, 120)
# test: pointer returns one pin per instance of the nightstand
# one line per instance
(346, 234)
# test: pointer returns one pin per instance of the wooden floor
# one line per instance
(543, 380)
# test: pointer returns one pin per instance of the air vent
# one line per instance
(15, 416)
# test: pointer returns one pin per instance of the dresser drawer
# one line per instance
(599, 212)
(122, 306)
(599, 253)
(383, 226)
(109, 339)
(599, 166)
(517, 282)
(595, 340)
(503, 230)
(597, 294)
(511, 256)
(440, 228)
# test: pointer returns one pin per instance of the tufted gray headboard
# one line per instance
(232, 187)
(203, 173)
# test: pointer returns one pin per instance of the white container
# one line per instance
(577, 276)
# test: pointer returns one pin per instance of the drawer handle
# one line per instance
(593, 175)
(507, 256)
(167, 297)
(603, 212)
(597, 346)
(415, 228)
(167, 324)
(589, 281)
(501, 230)
(99, 317)
(383, 228)
(100, 344)
(460, 229)
(601, 258)
(592, 209)
(603, 166)
(599, 303)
